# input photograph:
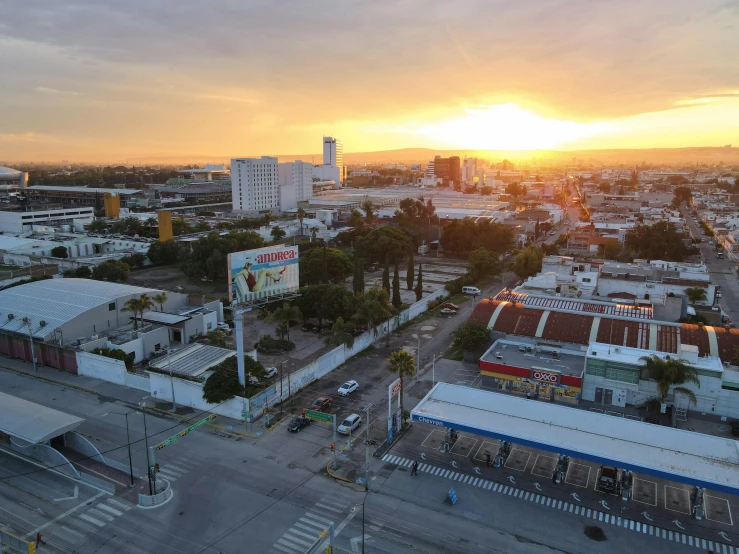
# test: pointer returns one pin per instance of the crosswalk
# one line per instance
(174, 470)
(76, 529)
(305, 531)
(576, 509)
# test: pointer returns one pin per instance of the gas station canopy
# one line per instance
(672, 454)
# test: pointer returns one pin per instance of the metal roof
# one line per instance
(193, 360)
(163, 318)
(57, 301)
(91, 190)
(33, 422)
(672, 454)
(579, 306)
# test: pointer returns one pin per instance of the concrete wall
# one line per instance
(100, 367)
(189, 393)
(45, 454)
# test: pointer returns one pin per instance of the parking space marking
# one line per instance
(544, 465)
(432, 441)
(715, 506)
(462, 446)
(490, 446)
(677, 499)
(516, 458)
(577, 476)
(645, 492)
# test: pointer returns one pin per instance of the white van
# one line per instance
(471, 290)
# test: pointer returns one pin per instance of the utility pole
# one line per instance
(128, 438)
(171, 377)
(366, 456)
(281, 402)
(146, 443)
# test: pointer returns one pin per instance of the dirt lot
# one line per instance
(171, 278)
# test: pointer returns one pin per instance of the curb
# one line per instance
(215, 426)
(49, 379)
(277, 423)
(337, 477)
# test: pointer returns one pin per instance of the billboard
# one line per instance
(262, 273)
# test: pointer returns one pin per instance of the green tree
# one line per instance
(471, 336)
(97, 226)
(277, 233)
(670, 374)
(536, 229)
(59, 252)
(528, 262)
(419, 283)
(514, 189)
(660, 241)
(111, 270)
(180, 227)
(358, 280)
(409, 273)
(117, 354)
(301, 216)
(482, 263)
(223, 384)
(286, 314)
(355, 219)
(325, 302)
(604, 187)
(83, 272)
(136, 259)
(339, 333)
(336, 264)
(160, 298)
(373, 308)
(133, 305)
(207, 257)
(163, 253)
(403, 364)
(415, 217)
(369, 211)
(464, 235)
(682, 195)
(386, 274)
(216, 337)
(397, 301)
(384, 241)
(695, 294)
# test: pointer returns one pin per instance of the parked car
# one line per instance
(450, 306)
(271, 371)
(222, 326)
(448, 312)
(322, 404)
(298, 423)
(347, 388)
(350, 424)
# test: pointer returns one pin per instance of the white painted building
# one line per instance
(64, 219)
(296, 184)
(255, 184)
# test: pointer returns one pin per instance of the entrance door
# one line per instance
(598, 395)
(177, 335)
(608, 400)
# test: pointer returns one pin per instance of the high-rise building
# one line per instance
(296, 183)
(255, 184)
(333, 152)
(448, 169)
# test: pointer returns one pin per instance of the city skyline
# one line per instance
(93, 82)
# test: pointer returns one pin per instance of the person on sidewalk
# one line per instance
(414, 469)
(39, 539)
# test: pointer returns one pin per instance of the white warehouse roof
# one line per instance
(672, 454)
(33, 422)
(57, 301)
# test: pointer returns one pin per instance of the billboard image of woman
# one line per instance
(259, 274)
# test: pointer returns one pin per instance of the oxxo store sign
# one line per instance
(545, 376)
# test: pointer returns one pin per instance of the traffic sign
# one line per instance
(246, 415)
(452, 496)
(318, 416)
(190, 429)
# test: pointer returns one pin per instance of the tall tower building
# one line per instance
(333, 152)
(255, 184)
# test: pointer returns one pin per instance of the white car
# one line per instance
(448, 311)
(347, 388)
(270, 371)
(221, 326)
(350, 424)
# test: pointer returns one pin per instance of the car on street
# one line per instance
(450, 306)
(222, 326)
(271, 371)
(297, 424)
(347, 388)
(350, 424)
(322, 404)
(448, 312)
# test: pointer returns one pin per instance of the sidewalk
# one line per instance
(129, 396)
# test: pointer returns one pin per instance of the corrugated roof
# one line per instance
(57, 301)
(573, 305)
(193, 360)
(33, 422)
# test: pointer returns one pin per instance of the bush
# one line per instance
(471, 336)
(117, 354)
(455, 285)
(223, 384)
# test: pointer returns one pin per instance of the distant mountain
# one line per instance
(672, 156)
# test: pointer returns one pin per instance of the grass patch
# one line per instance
(454, 353)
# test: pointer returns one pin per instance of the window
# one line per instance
(210, 326)
(111, 306)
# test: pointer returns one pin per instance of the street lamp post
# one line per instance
(171, 377)
(142, 404)
(27, 321)
(128, 439)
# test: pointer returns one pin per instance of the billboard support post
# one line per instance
(239, 320)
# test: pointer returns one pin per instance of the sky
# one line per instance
(105, 80)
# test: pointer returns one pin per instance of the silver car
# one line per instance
(350, 424)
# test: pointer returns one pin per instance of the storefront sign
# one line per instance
(549, 377)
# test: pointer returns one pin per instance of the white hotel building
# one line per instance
(263, 184)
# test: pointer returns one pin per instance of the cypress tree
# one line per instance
(419, 285)
(396, 289)
(409, 276)
(386, 274)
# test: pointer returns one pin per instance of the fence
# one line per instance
(328, 362)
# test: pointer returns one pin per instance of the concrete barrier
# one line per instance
(165, 493)
(46, 454)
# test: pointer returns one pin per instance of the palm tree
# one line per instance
(374, 308)
(670, 373)
(369, 211)
(145, 304)
(285, 314)
(695, 294)
(338, 334)
(301, 217)
(132, 305)
(160, 298)
(404, 364)
(313, 231)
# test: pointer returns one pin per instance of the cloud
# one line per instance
(709, 98)
(47, 90)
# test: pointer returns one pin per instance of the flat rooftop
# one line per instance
(193, 360)
(633, 356)
(672, 454)
(535, 354)
(33, 422)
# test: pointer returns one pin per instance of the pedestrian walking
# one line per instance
(528, 396)
(39, 539)
(414, 469)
